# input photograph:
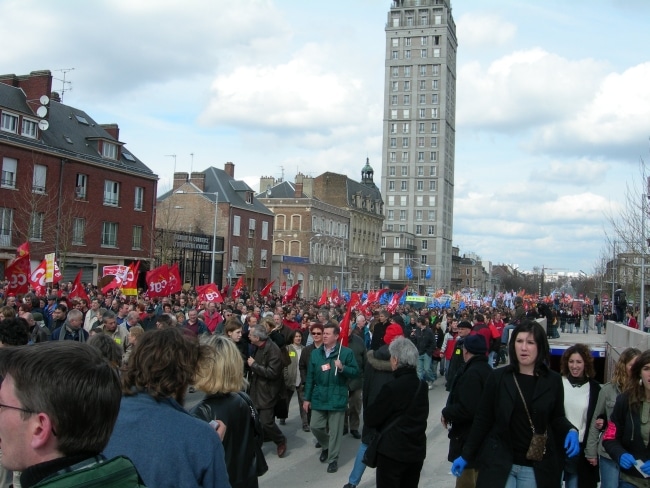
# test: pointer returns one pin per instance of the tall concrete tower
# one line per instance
(417, 180)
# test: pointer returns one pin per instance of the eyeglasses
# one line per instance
(316, 333)
(20, 409)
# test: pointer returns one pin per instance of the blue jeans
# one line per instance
(570, 480)
(504, 334)
(359, 467)
(492, 357)
(521, 477)
(424, 368)
(608, 472)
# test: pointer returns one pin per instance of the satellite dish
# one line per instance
(43, 125)
(44, 100)
(41, 111)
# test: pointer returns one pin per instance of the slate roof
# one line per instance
(67, 136)
(284, 189)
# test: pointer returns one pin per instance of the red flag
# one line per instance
(224, 290)
(291, 293)
(22, 250)
(157, 281)
(323, 298)
(355, 299)
(345, 327)
(57, 274)
(237, 289)
(174, 280)
(267, 289)
(335, 298)
(209, 293)
(17, 273)
(120, 272)
(37, 279)
(78, 289)
(394, 302)
(130, 284)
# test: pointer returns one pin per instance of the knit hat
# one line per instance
(465, 324)
(475, 344)
(393, 331)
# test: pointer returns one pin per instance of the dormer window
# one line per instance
(109, 150)
(9, 122)
(249, 197)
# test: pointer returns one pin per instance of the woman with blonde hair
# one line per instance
(220, 376)
(594, 450)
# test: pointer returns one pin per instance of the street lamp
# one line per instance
(342, 250)
(214, 229)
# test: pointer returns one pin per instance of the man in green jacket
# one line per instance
(326, 392)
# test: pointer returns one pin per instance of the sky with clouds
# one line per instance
(553, 100)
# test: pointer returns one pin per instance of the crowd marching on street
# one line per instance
(358, 365)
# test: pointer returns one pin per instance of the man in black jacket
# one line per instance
(423, 338)
(458, 414)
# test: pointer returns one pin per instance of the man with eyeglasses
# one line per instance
(49, 425)
(316, 332)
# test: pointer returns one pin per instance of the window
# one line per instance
(406, 127)
(395, 85)
(405, 142)
(407, 113)
(235, 254)
(391, 215)
(109, 150)
(424, 40)
(433, 170)
(418, 230)
(397, 242)
(393, 114)
(109, 234)
(419, 201)
(421, 128)
(436, 40)
(78, 231)
(405, 157)
(391, 186)
(434, 84)
(420, 170)
(383, 242)
(422, 112)
(436, 69)
(434, 127)
(36, 226)
(420, 185)
(251, 228)
(434, 156)
(432, 230)
(402, 214)
(407, 41)
(395, 71)
(423, 98)
(407, 54)
(432, 185)
(407, 74)
(409, 21)
(424, 20)
(420, 141)
(29, 128)
(81, 188)
(437, 19)
(111, 193)
(434, 113)
(423, 72)
(423, 53)
(432, 215)
(407, 99)
(393, 100)
(432, 202)
(423, 260)
(391, 200)
(403, 200)
(393, 142)
(405, 170)
(418, 215)
(9, 166)
(402, 228)
(263, 258)
(249, 256)
(6, 221)
(265, 231)
(236, 225)
(435, 99)
(137, 237)
(40, 176)
(138, 204)
(425, 245)
(395, 55)
(436, 52)
(9, 122)
(404, 186)
(407, 85)
(395, 41)
(393, 128)
(434, 142)
(393, 157)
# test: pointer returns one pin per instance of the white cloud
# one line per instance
(571, 172)
(484, 30)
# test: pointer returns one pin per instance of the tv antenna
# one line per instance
(172, 156)
(63, 81)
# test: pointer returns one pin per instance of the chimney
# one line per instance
(55, 97)
(198, 179)
(112, 129)
(298, 192)
(35, 85)
(229, 168)
(266, 182)
(179, 180)
(308, 186)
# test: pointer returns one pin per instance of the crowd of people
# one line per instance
(366, 375)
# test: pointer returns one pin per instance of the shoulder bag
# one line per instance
(537, 446)
(370, 456)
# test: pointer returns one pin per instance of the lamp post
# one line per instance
(342, 250)
(214, 229)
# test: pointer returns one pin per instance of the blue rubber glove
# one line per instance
(572, 444)
(645, 469)
(627, 461)
(458, 466)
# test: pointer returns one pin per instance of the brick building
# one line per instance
(244, 224)
(68, 184)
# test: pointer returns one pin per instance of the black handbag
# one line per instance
(370, 456)
(260, 461)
